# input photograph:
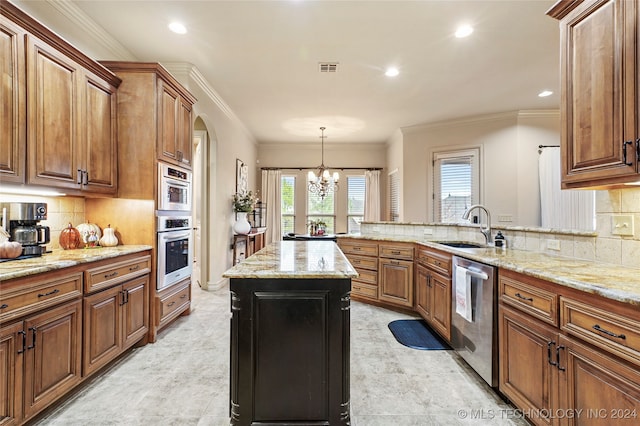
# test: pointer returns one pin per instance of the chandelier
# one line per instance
(323, 183)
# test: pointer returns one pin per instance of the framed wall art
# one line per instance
(242, 176)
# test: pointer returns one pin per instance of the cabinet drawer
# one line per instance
(174, 301)
(438, 262)
(367, 276)
(396, 252)
(363, 248)
(39, 294)
(535, 301)
(101, 277)
(364, 290)
(614, 333)
(365, 262)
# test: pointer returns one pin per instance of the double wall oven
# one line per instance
(174, 229)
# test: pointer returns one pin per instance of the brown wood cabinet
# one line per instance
(69, 118)
(580, 360)
(173, 302)
(174, 128)
(13, 98)
(11, 367)
(395, 274)
(599, 41)
(363, 256)
(433, 289)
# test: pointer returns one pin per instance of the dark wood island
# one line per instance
(290, 335)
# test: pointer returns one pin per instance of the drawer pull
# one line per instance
(113, 274)
(395, 251)
(528, 299)
(357, 262)
(171, 304)
(49, 294)
(394, 262)
(183, 296)
(3, 306)
(608, 333)
(134, 268)
(357, 248)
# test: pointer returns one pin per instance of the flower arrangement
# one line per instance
(244, 201)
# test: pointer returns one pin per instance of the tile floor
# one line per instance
(182, 379)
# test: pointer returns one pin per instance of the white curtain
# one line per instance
(562, 209)
(372, 195)
(271, 195)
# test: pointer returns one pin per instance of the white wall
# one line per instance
(509, 163)
(395, 161)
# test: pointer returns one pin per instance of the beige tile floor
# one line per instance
(183, 378)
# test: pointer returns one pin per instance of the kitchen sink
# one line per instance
(460, 244)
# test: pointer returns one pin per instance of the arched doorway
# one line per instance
(201, 199)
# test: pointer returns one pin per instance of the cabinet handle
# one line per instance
(79, 177)
(624, 152)
(4, 306)
(183, 296)
(24, 341)
(558, 358)
(85, 177)
(549, 344)
(429, 281)
(528, 299)
(608, 333)
(394, 262)
(126, 296)
(134, 268)
(113, 274)
(121, 293)
(638, 150)
(171, 304)
(49, 294)
(33, 342)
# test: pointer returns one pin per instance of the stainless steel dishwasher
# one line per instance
(475, 338)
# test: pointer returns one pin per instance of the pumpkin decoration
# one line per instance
(88, 230)
(70, 238)
(109, 238)
(8, 249)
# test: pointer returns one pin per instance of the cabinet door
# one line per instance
(599, 41)
(11, 374)
(98, 135)
(441, 305)
(185, 139)
(12, 97)
(423, 293)
(395, 282)
(52, 116)
(604, 390)
(102, 328)
(53, 355)
(168, 122)
(135, 312)
(527, 351)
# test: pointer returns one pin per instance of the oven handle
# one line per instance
(173, 235)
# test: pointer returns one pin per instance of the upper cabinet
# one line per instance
(174, 126)
(65, 103)
(600, 136)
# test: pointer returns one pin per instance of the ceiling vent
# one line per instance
(328, 66)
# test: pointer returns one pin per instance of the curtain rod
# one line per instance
(315, 167)
(548, 146)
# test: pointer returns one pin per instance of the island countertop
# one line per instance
(295, 259)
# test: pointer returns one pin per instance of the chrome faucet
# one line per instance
(485, 231)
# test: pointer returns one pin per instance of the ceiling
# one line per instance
(262, 58)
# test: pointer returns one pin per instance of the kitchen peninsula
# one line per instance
(290, 331)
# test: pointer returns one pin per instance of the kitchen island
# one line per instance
(290, 335)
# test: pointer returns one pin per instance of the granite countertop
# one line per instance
(59, 259)
(295, 259)
(612, 281)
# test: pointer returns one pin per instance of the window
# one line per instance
(288, 203)
(394, 197)
(355, 203)
(456, 183)
(322, 209)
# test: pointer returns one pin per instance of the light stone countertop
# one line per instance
(59, 259)
(614, 282)
(295, 259)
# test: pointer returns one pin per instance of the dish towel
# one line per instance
(463, 293)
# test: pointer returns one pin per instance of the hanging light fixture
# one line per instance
(324, 182)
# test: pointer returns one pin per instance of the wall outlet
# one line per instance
(553, 244)
(505, 218)
(428, 231)
(622, 225)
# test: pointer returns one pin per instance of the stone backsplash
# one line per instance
(601, 245)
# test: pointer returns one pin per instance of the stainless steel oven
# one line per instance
(175, 248)
(174, 188)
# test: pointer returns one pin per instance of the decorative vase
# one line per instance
(109, 238)
(242, 225)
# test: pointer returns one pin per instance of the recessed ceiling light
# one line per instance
(464, 31)
(392, 72)
(545, 93)
(178, 28)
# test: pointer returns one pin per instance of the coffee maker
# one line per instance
(23, 219)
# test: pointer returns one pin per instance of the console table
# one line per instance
(244, 245)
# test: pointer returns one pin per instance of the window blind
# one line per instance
(456, 184)
(394, 197)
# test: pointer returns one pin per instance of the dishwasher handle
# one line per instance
(477, 274)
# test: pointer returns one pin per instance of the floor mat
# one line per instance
(416, 334)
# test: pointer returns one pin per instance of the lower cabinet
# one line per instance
(433, 290)
(173, 302)
(114, 319)
(395, 283)
(11, 369)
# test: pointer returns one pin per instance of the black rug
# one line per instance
(416, 334)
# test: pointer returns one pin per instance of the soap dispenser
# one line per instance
(499, 240)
